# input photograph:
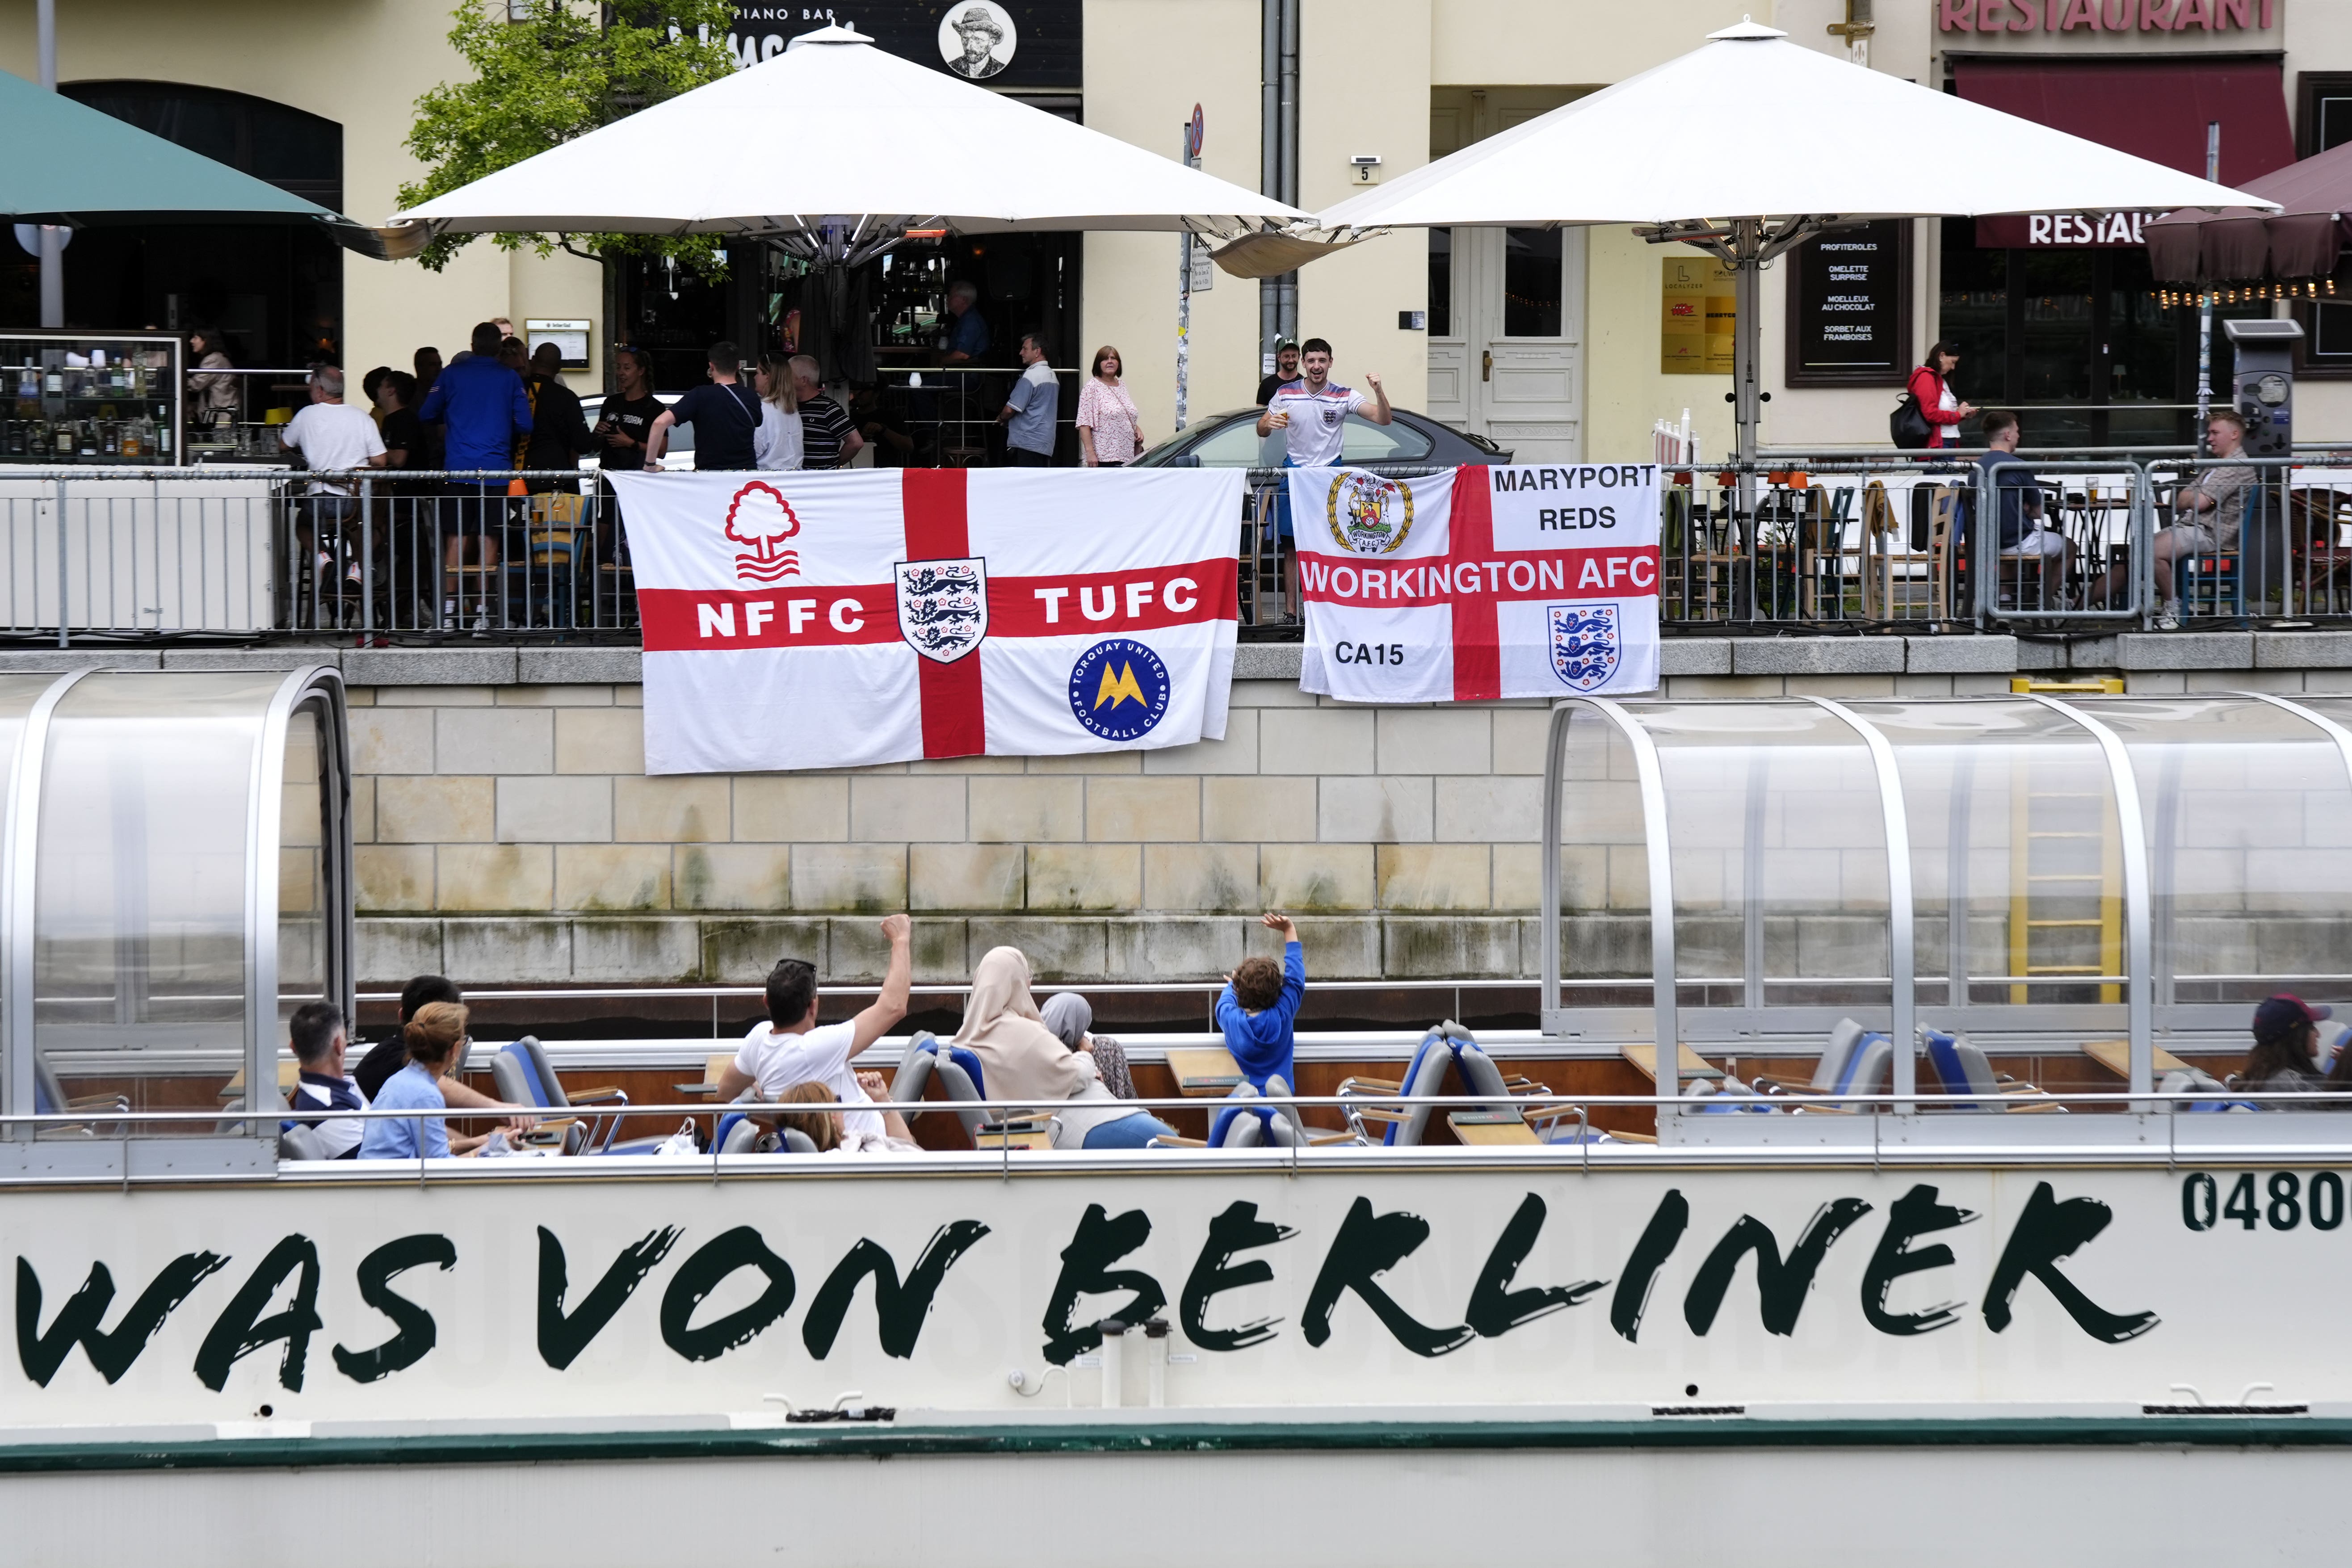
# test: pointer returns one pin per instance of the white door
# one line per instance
(1506, 306)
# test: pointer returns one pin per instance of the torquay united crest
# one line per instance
(1369, 515)
(1585, 641)
(943, 606)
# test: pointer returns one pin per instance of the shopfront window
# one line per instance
(2079, 340)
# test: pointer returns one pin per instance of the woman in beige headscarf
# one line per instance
(1022, 1060)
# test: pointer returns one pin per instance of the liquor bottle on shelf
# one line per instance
(28, 380)
(109, 438)
(86, 437)
(132, 446)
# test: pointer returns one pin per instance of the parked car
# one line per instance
(675, 457)
(1230, 440)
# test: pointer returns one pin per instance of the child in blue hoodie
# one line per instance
(1259, 1004)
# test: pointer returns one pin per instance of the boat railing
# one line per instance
(2176, 1130)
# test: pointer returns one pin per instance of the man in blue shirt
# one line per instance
(1260, 1004)
(2017, 497)
(485, 410)
(967, 338)
(316, 1032)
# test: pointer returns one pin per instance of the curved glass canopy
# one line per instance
(176, 882)
(2055, 869)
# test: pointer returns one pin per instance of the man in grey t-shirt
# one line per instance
(1028, 416)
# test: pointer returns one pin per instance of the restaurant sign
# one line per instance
(1003, 43)
(2132, 16)
(2064, 231)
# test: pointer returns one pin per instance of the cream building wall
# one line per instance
(363, 64)
(1149, 85)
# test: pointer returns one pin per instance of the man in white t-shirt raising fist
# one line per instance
(1312, 415)
(791, 1048)
(1312, 412)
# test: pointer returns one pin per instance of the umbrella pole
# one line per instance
(1747, 327)
(52, 236)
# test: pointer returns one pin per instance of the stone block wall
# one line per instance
(508, 831)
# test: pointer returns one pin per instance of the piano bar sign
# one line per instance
(515, 1298)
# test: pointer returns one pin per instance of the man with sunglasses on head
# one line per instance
(792, 1049)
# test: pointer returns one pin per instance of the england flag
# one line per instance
(827, 620)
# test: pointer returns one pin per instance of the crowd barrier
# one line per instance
(1835, 543)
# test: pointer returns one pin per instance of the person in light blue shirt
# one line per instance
(435, 1037)
(1029, 414)
(1259, 1006)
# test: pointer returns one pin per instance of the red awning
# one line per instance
(2156, 109)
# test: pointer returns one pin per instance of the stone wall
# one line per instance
(506, 831)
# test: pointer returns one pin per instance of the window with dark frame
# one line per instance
(2323, 121)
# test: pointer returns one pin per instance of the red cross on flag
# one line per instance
(1483, 583)
(829, 620)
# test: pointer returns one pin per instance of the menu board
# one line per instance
(1850, 306)
(1699, 314)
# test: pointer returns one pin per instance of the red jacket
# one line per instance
(1928, 386)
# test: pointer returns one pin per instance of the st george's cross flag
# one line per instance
(1535, 580)
(827, 620)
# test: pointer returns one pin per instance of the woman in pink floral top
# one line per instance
(1109, 430)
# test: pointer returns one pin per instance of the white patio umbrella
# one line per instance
(1749, 146)
(835, 150)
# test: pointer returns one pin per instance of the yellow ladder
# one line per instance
(2065, 882)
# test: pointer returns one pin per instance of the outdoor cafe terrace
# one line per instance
(1839, 546)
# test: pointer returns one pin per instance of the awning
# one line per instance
(77, 166)
(2301, 242)
(2157, 110)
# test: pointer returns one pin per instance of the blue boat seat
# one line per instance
(524, 1076)
(957, 1068)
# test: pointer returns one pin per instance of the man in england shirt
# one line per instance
(1312, 412)
(792, 1049)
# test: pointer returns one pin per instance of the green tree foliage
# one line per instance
(566, 70)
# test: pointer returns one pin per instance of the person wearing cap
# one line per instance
(981, 33)
(2286, 1045)
(1285, 368)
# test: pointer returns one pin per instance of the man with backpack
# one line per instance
(725, 416)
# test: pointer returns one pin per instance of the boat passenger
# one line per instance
(436, 1041)
(390, 1055)
(1259, 1007)
(829, 1129)
(1071, 1017)
(317, 1035)
(1023, 1060)
(789, 1048)
(2284, 1059)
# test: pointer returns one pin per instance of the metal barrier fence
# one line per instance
(1841, 542)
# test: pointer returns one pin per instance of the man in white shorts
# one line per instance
(791, 1049)
(1312, 415)
(2017, 503)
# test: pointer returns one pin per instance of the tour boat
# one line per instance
(1872, 1188)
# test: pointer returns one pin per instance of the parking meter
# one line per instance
(2262, 388)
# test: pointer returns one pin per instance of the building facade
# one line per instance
(1556, 343)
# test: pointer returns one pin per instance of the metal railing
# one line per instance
(1926, 1127)
(1836, 543)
